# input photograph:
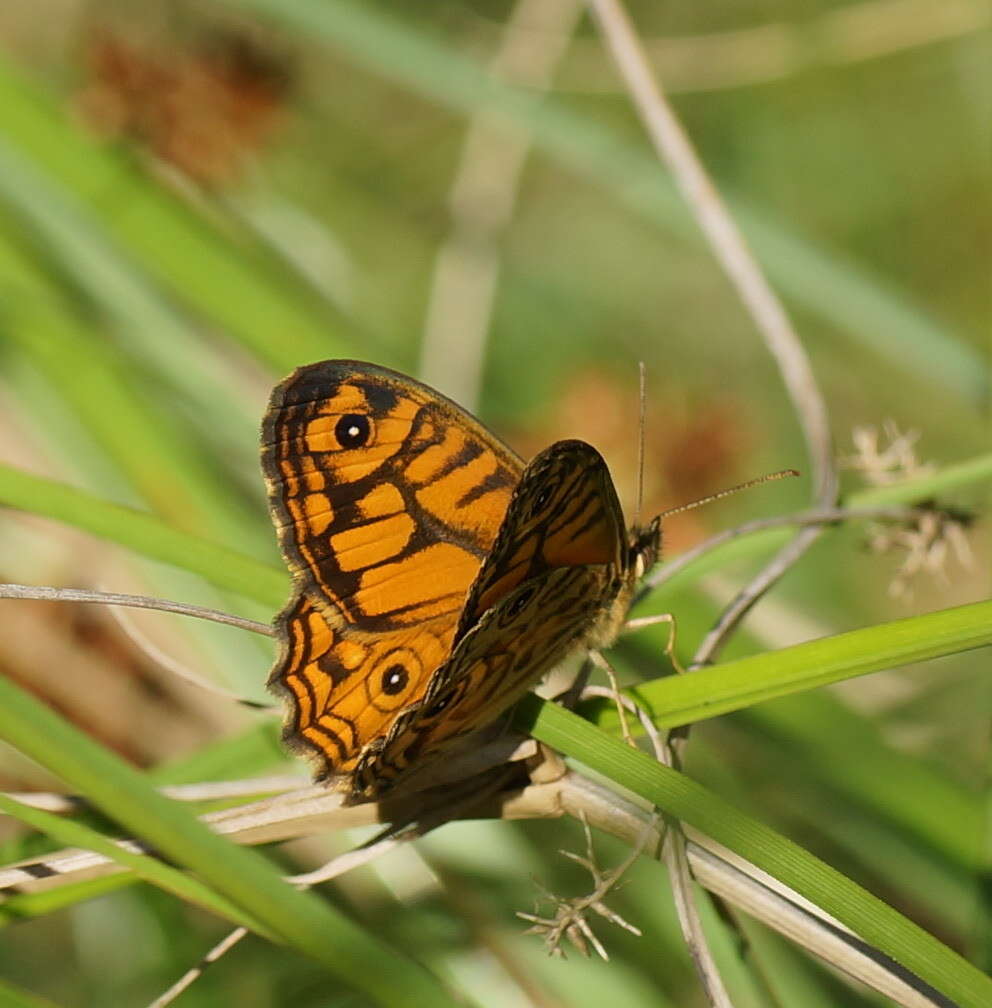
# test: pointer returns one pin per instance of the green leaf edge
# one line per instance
(74, 834)
(145, 534)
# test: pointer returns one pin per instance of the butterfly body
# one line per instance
(436, 578)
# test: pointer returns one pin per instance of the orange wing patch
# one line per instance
(342, 694)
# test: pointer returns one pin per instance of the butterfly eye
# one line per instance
(394, 679)
(353, 430)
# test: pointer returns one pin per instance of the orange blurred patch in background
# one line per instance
(202, 107)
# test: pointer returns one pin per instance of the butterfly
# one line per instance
(436, 576)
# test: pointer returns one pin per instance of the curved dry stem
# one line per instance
(827, 516)
(176, 668)
(728, 245)
(673, 853)
(46, 594)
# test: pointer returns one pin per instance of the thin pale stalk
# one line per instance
(46, 594)
(483, 199)
(766, 311)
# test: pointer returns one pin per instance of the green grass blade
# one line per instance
(717, 689)
(835, 745)
(947, 479)
(253, 751)
(20, 906)
(74, 834)
(14, 997)
(144, 534)
(154, 462)
(875, 921)
(241, 875)
(233, 287)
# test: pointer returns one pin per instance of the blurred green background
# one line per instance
(197, 197)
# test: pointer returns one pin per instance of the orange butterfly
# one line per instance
(436, 578)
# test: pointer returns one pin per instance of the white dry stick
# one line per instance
(677, 862)
(60, 804)
(194, 973)
(482, 200)
(730, 249)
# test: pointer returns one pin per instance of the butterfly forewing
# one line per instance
(385, 495)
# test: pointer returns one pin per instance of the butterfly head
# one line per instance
(644, 548)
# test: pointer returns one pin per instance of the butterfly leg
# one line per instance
(646, 621)
(569, 697)
(600, 662)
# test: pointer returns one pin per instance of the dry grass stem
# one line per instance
(676, 861)
(766, 311)
(728, 245)
(570, 915)
(168, 664)
(46, 594)
(483, 198)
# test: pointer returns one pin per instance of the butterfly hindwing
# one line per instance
(491, 668)
(343, 689)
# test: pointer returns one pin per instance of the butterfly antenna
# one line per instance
(642, 372)
(709, 498)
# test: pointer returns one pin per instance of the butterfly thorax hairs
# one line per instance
(642, 554)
